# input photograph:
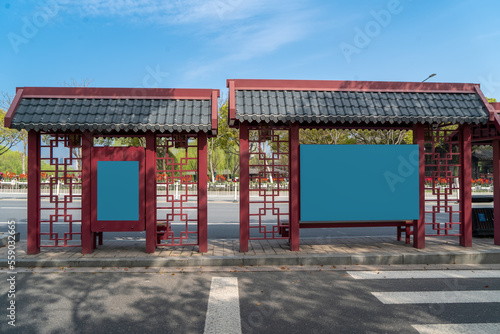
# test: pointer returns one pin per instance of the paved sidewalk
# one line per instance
(225, 252)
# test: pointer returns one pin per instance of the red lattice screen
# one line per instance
(269, 183)
(443, 162)
(177, 190)
(484, 132)
(60, 189)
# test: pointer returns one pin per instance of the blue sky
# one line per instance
(200, 44)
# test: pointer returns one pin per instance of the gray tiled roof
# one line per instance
(358, 107)
(483, 154)
(70, 114)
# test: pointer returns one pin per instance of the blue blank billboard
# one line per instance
(359, 182)
(118, 190)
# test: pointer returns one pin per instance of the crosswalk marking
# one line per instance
(424, 274)
(438, 297)
(223, 312)
(480, 328)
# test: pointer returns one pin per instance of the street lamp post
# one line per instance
(430, 76)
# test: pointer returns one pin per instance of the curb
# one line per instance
(465, 257)
(4, 238)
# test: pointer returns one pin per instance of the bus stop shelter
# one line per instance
(423, 189)
(116, 160)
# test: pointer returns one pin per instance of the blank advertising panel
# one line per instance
(359, 182)
(118, 190)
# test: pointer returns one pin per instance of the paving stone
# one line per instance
(335, 251)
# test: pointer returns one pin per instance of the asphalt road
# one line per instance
(223, 221)
(313, 301)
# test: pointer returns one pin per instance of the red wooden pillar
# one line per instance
(496, 190)
(244, 187)
(294, 187)
(88, 240)
(33, 192)
(465, 187)
(150, 185)
(419, 224)
(202, 193)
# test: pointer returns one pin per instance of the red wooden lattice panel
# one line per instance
(484, 131)
(443, 161)
(60, 189)
(177, 190)
(269, 182)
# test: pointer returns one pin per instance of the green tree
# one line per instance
(8, 137)
(11, 162)
(325, 136)
(5, 101)
(378, 137)
(223, 150)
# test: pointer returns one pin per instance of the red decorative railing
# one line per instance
(269, 182)
(177, 190)
(443, 162)
(60, 167)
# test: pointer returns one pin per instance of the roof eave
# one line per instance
(118, 93)
(215, 111)
(492, 108)
(360, 86)
(13, 107)
(484, 100)
(231, 103)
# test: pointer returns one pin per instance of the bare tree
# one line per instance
(9, 137)
(75, 83)
(376, 137)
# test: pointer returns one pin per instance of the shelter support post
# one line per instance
(419, 224)
(150, 184)
(33, 192)
(496, 190)
(294, 187)
(465, 187)
(244, 187)
(88, 239)
(202, 193)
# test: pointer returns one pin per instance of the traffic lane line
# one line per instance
(479, 328)
(438, 297)
(223, 311)
(413, 274)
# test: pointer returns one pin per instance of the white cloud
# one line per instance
(259, 40)
(242, 43)
(234, 30)
(489, 35)
(174, 11)
(119, 7)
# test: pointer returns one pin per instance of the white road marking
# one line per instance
(13, 207)
(424, 274)
(439, 297)
(479, 328)
(223, 312)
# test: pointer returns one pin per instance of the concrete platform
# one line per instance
(225, 252)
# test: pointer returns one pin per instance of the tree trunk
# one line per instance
(211, 159)
(23, 157)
